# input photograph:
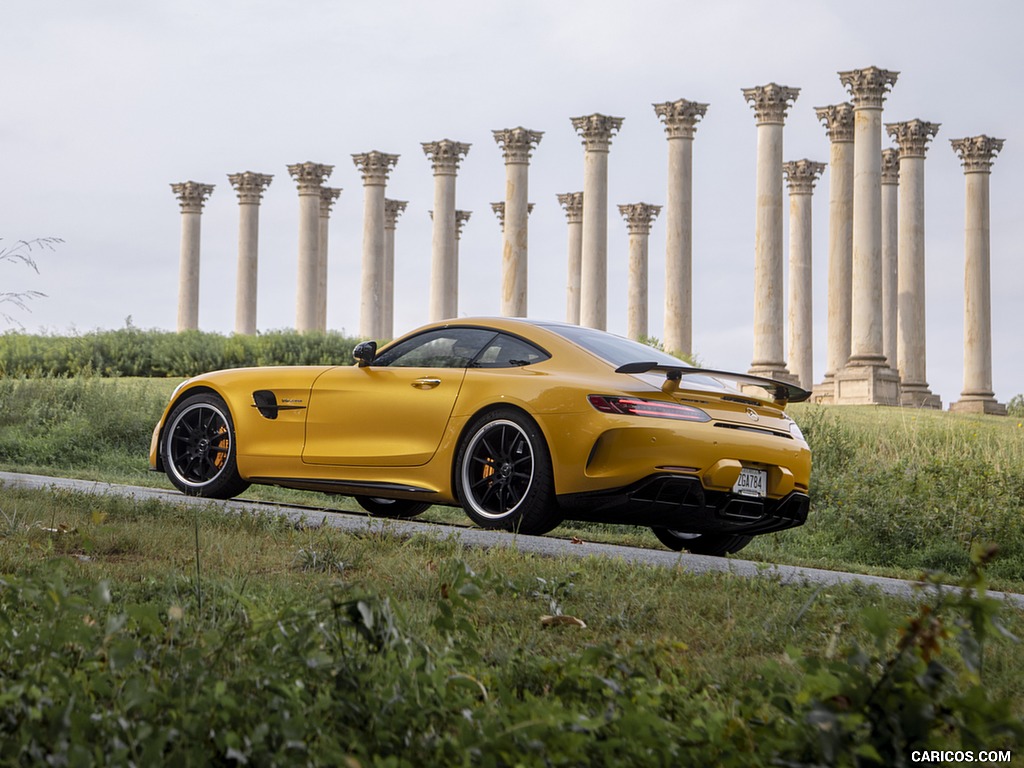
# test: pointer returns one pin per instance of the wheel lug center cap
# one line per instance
(506, 469)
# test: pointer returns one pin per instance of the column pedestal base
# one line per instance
(978, 404)
(825, 392)
(919, 396)
(777, 371)
(869, 384)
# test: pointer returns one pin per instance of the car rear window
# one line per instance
(614, 349)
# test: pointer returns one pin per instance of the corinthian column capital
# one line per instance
(392, 210)
(912, 136)
(309, 177)
(250, 186)
(868, 86)
(445, 155)
(680, 117)
(375, 167)
(517, 143)
(191, 195)
(327, 197)
(890, 166)
(838, 120)
(976, 152)
(597, 130)
(461, 217)
(572, 202)
(771, 101)
(801, 175)
(639, 216)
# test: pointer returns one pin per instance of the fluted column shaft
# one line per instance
(838, 119)
(890, 254)
(517, 144)
(800, 176)
(374, 167)
(770, 103)
(976, 154)
(596, 131)
(572, 202)
(249, 186)
(680, 119)
(392, 210)
(638, 218)
(444, 289)
(309, 177)
(191, 197)
(327, 197)
(912, 137)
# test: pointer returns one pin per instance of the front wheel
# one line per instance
(717, 544)
(199, 449)
(503, 474)
(379, 507)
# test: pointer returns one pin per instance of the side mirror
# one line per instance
(365, 352)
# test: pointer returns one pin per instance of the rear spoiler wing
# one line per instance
(780, 391)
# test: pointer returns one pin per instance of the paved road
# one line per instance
(542, 545)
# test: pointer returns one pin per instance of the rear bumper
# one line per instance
(682, 504)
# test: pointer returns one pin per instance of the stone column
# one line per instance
(867, 378)
(375, 167)
(596, 131)
(516, 144)
(309, 177)
(912, 137)
(770, 103)
(800, 177)
(249, 186)
(461, 217)
(680, 119)
(638, 218)
(445, 156)
(976, 154)
(191, 196)
(890, 253)
(572, 202)
(327, 197)
(392, 210)
(838, 119)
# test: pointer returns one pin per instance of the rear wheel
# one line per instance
(199, 449)
(391, 507)
(503, 474)
(717, 544)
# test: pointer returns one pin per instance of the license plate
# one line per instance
(751, 482)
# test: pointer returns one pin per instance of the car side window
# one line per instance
(506, 351)
(440, 348)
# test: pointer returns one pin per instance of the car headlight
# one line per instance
(635, 406)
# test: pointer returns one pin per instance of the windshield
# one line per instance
(615, 349)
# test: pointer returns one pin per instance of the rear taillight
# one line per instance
(635, 406)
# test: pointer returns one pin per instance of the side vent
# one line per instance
(266, 403)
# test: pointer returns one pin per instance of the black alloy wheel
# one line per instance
(503, 474)
(717, 544)
(199, 450)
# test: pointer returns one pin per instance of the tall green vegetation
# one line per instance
(133, 352)
(116, 647)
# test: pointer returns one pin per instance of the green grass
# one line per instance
(213, 614)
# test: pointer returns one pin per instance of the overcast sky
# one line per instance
(105, 103)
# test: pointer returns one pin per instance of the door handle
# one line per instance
(426, 383)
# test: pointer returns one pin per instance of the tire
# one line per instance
(379, 507)
(199, 449)
(503, 474)
(717, 544)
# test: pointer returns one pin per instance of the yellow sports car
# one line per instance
(521, 423)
